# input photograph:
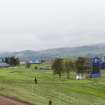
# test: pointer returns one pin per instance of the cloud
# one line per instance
(43, 24)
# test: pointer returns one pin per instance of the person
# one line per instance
(36, 81)
(50, 102)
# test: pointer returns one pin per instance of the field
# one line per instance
(19, 83)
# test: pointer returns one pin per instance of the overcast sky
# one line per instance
(43, 24)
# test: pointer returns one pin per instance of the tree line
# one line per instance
(13, 61)
(80, 66)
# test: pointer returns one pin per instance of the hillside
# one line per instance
(89, 50)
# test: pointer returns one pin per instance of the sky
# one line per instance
(44, 24)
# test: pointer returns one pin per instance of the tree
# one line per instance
(57, 66)
(17, 61)
(36, 81)
(6, 60)
(12, 61)
(50, 102)
(69, 66)
(80, 65)
(28, 65)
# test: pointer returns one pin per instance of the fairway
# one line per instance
(19, 83)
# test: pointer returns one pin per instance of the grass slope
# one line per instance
(19, 83)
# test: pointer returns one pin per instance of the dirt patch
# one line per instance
(10, 101)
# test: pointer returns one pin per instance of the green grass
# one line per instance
(19, 83)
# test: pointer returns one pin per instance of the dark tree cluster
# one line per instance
(12, 61)
(68, 67)
(57, 66)
(80, 66)
(60, 66)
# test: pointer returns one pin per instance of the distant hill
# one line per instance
(89, 50)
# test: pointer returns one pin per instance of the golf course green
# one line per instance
(19, 83)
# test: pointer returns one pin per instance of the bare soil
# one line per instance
(10, 101)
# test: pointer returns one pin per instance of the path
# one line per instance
(10, 101)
